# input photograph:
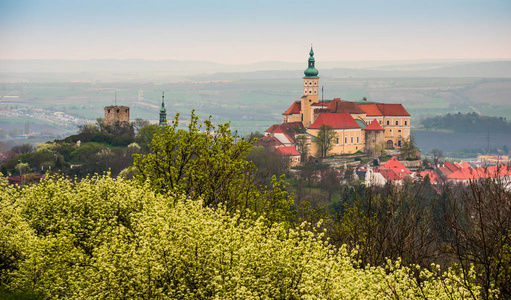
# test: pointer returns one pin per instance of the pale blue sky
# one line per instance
(238, 31)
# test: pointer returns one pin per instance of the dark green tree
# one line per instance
(325, 140)
(409, 148)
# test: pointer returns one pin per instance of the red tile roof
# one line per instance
(288, 129)
(452, 167)
(338, 106)
(383, 109)
(288, 151)
(389, 174)
(294, 109)
(393, 110)
(268, 141)
(395, 165)
(433, 176)
(321, 103)
(336, 121)
(375, 125)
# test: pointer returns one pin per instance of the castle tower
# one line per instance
(116, 113)
(163, 111)
(310, 90)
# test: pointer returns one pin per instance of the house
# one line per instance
(291, 153)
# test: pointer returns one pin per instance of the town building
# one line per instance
(363, 126)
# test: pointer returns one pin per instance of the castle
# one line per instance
(116, 113)
(359, 126)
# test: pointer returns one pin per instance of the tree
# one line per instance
(325, 140)
(268, 163)
(302, 146)
(145, 136)
(409, 148)
(139, 123)
(23, 149)
(437, 155)
(478, 219)
(111, 239)
(209, 164)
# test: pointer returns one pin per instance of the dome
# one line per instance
(311, 71)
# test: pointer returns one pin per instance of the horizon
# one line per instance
(232, 33)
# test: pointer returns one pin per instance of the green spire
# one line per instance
(163, 111)
(311, 71)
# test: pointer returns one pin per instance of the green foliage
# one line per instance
(409, 148)
(468, 123)
(325, 140)
(110, 239)
(145, 136)
(208, 164)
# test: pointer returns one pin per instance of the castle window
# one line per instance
(315, 92)
(315, 83)
(357, 139)
(345, 140)
(352, 140)
(337, 140)
(310, 92)
(399, 130)
(117, 111)
(388, 122)
(397, 122)
(406, 122)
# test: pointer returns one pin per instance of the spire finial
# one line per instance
(162, 99)
(311, 53)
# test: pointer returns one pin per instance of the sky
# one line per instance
(242, 32)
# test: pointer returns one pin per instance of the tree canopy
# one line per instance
(128, 242)
(325, 140)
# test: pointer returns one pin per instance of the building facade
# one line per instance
(349, 119)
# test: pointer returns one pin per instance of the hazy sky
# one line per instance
(242, 31)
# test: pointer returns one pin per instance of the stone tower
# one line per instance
(115, 113)
(163, 111)
(310, 90)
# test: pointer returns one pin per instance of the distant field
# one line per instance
(255, 104)
(449, 142)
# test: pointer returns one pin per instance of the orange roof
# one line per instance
(288, 151)
(464, 164)
(371, 109)
(383, 109)
(394, 164)
(452, 167)
(375, 125)
(335, 120)
(433, 176)
(294, 109)
(393, 110)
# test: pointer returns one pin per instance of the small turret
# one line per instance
(163, 111)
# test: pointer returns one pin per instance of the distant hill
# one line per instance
(130, 70)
